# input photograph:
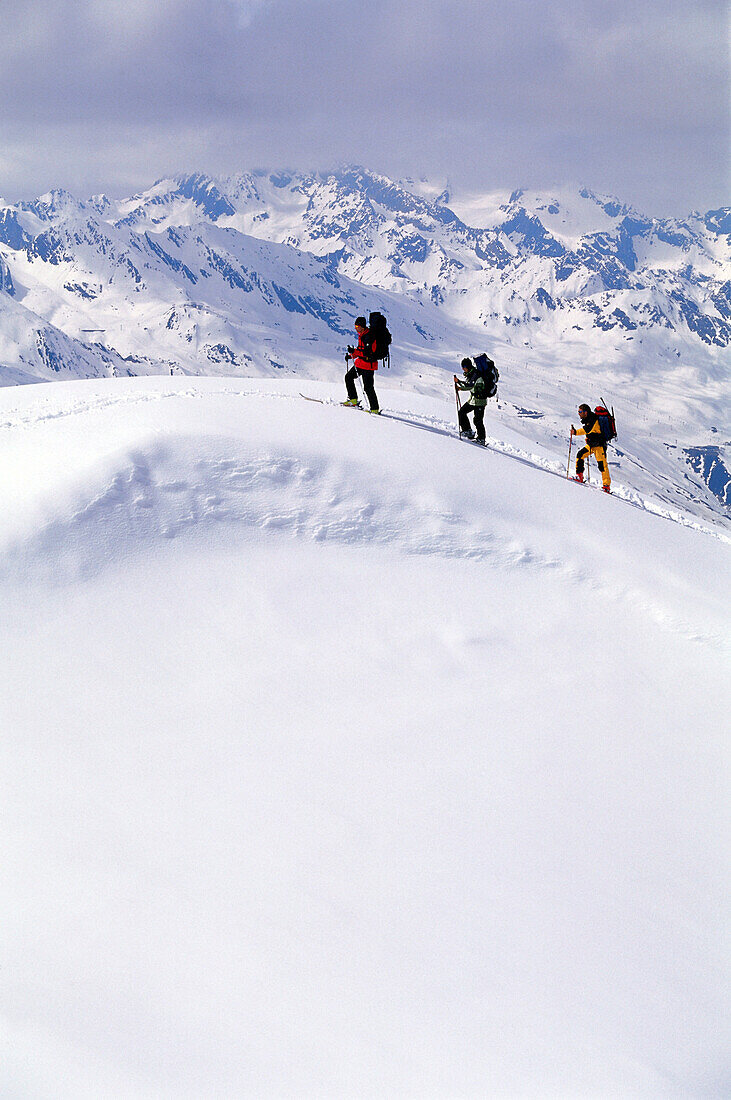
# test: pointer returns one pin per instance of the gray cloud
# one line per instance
(108, 94)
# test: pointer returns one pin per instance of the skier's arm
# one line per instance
(364, 352)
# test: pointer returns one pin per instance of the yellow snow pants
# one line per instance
(600, 454)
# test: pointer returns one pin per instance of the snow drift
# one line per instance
(346, 759)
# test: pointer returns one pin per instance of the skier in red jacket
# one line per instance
(364, 364)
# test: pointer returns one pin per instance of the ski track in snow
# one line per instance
(629, 496)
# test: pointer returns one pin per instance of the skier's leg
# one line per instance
(580, 460)
(480, 422)
(350, 384)
(370, 391)
(464, 420)
(600, 455)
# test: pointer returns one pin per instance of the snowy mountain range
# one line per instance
(262, 273)
(192, 264)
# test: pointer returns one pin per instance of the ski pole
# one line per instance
(571, 443)
(459, 407)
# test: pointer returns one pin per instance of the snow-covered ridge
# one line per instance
(153, 488)
(392, 762)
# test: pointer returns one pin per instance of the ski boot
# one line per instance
(469, 434)
(352, 403)
(579, 477)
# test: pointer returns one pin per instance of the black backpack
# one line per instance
(486, 369)
(607, 423)
(380, 336)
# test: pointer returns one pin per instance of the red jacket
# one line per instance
(366, 346)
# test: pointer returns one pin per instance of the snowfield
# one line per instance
(345, 759)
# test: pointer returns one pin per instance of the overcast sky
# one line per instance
(626, 97)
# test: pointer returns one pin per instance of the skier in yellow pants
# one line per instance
(595, 446)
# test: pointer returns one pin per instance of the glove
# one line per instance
(347, 357)
(573, 430)
(351, 349)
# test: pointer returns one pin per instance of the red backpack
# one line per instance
(607, 423)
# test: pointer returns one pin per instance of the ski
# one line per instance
(343, 404)
(371, 412)
(589, 485)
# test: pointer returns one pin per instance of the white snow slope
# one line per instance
(344, 759)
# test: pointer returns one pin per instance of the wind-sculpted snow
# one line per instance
(345, 759)
(198, 484)
(262, 461)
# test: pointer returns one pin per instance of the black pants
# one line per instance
(367, 377)
(464, 420)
